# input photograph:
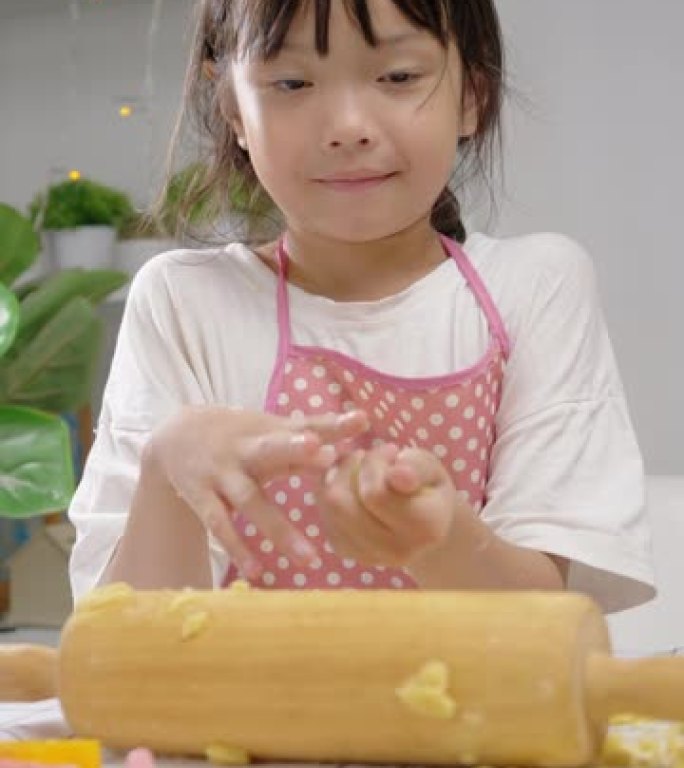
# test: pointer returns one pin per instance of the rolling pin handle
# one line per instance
(648, 687)
(27, 672)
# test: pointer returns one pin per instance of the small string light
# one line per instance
(134, 107)
(129, 106)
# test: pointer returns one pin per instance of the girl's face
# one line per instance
(356, 145)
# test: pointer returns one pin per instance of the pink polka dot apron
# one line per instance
(452, 415)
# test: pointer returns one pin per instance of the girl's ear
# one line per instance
(238, 129)
(469, 106)
(209, 69)
(230, 112)
(241, 140)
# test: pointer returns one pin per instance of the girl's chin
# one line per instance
(354, 231)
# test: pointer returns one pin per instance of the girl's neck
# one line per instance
(348, 271)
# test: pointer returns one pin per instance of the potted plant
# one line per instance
(146, 234)
(50, 339)
(81, 220)
(140, 238)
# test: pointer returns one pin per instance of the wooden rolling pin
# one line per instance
(511, 678)
(27, 672)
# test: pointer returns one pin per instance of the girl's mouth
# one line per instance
(359, 184)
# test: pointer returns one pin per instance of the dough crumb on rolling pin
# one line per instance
(426, 692)
(105, 597)
(635, 742)
(181, 600)
(222, 754)
(194, 624)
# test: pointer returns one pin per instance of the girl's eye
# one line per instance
(400, 78)
(290, 85)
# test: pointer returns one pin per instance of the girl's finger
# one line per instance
(414, 471)
(368, 477)
(403, 479)
(283, 452)
(341, 485)
(352, 529)
(309, 445)
(245, 496)
(333, 428)
(390, 482)
(384, 501)
(215, 516)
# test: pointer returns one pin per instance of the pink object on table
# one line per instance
(139, 758)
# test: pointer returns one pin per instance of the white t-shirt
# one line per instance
(566, 475)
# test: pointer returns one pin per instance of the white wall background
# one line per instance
(594, 151)
(599, 156)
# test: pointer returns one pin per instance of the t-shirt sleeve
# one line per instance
(151, 376)
(566, 474)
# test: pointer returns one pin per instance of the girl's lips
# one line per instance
(355, 185)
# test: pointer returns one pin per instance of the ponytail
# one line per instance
(446, 216)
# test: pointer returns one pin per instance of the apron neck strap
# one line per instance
(484, 299)
(283, 304)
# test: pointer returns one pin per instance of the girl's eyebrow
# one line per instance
(381, 42)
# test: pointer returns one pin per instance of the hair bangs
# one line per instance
(260, 27)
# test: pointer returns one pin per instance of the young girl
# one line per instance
(373, 399)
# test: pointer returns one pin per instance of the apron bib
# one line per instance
(453, 416)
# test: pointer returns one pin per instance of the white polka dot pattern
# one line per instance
(454, 419)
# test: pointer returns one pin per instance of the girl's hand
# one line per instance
(388, 506)
(218, 459)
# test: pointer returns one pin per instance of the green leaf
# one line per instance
(23, 290)
(58, 290)
(19, 244)
(9, 319)
(36, 470)
(55, 369)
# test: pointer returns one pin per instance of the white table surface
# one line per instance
(44, 720)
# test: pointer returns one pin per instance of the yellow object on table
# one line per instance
(83, 753)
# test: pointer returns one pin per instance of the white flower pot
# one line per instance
(85, 247)
(130, 255)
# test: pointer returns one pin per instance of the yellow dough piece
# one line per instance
(193, 624)
(221, 754)
(426, 692)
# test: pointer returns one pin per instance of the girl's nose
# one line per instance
(338, 143)
(350, 126)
